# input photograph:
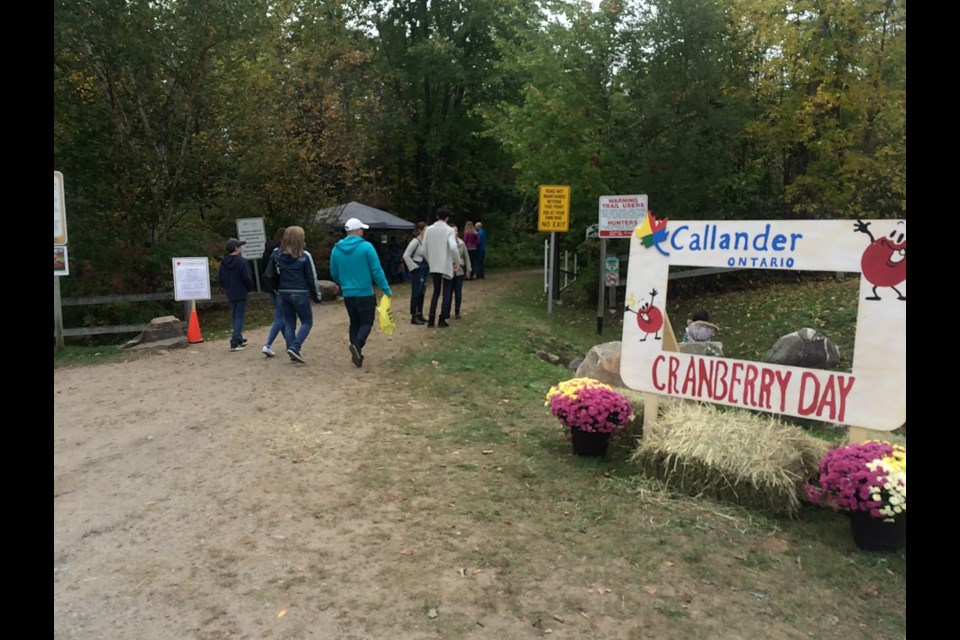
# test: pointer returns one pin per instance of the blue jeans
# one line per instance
(238, 308)
(457, 293)
(277, 327)
(418, 285)
(296, 305)
(361, 311)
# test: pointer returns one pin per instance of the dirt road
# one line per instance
(201, 493)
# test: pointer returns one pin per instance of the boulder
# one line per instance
(706, 348)
(804, 348)
(161, 333)
(602, 363)
(329, 291)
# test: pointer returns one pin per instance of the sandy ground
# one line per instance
(201, 493)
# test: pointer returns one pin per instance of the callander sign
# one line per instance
(872, 395)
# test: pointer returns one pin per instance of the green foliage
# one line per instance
(172, 120)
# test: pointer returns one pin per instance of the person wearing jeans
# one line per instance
(355, 267)
(465, 273)
(236, 279)
(269, 282)
(418, 268)
(296, 287)
(440, 250)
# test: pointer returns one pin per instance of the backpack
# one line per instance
(271, 272)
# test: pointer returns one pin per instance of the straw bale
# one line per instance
(753, 460)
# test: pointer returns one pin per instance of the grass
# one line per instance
(793, 567)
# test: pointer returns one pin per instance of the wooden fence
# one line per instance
(61, 332)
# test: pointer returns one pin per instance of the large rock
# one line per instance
(162, 333)
(706, 348)
(328, 290)
(602, 363)
(804, 348)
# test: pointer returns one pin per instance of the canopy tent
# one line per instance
(377, 219)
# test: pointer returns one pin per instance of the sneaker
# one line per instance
(355, 355)
(295, 355)
(267, 351)
(443, 323)
(239, 347)
(243, 342)
(416, 320)
(421, 318)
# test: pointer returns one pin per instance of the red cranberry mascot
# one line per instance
(884, 261)
(649, 318)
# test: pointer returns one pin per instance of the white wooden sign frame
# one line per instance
(872, 395)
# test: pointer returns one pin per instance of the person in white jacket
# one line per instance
(441, 253)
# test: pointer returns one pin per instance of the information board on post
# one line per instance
(620, 215)
(61, 265)
(191, 279)
(252, 231)
(59, 210)
(554, 208)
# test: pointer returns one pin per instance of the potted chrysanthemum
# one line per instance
(869, 481)
(590, 411)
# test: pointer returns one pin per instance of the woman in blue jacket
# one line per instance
(296, 287)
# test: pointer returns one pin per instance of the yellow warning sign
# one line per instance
(554, 208)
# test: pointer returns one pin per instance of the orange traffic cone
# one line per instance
(193, 329)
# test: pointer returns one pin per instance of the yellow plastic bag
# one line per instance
(385, 314)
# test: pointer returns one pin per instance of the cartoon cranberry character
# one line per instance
(649, 318)
(884, 261)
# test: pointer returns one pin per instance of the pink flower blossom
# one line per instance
(868, 476)
(589, 405)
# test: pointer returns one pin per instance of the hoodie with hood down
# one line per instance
(355, 266)
(235, 277)
(297, 275)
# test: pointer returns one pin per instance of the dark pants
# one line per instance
(440, 283)
(418, 287)
(237, 310)
(457, 293)
(474, 260)
(478, 267)
(361, 311)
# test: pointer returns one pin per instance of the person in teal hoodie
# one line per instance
(355, 267)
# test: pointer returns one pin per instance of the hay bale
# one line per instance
(730, 455)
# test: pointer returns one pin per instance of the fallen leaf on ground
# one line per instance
(651, 591)
(487, 452)
(667, 563)
(432, 613)
(282, 613)
(405, 552)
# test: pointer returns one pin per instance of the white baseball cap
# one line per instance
(353, 224)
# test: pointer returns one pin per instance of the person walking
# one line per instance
(297, 286)
(418, 268)
(269, 284)
(464, 274)
(440, 251)
(355, 267)
(478, 267)
(236, 278)
(472, 241)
